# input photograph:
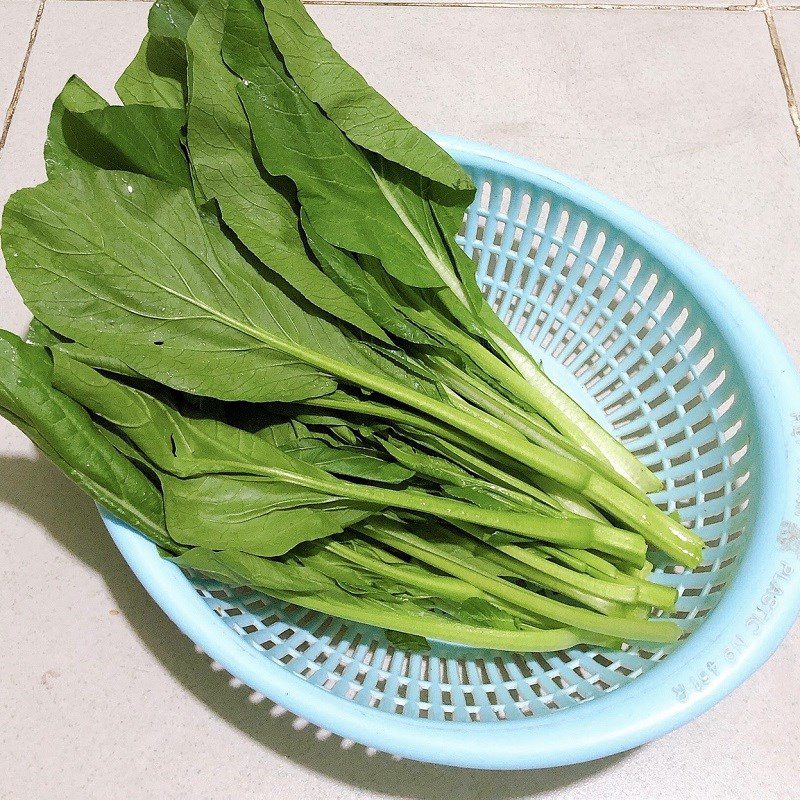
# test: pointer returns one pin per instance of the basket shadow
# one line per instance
(71, 519)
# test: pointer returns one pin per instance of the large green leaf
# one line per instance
(261, 508)
(255, 207)
(75, 97)
(125, 265)
(252, 514)
(237, 569)
(39, 333)
(157, 74)
(172, 435)
(171, 19)
(367, 118)
(65, 433)
(136, 138)
(370, 289)
(335, 180)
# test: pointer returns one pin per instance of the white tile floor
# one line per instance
(679, 110)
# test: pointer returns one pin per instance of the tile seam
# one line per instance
(780, 58)
(12, 106)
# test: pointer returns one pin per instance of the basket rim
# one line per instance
(756, 612)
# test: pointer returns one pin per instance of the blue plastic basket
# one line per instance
(668, 354)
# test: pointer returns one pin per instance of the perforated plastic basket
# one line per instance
(667, 353)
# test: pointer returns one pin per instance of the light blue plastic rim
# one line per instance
(756, 612)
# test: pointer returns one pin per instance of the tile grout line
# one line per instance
(12, 106)
(783, 68)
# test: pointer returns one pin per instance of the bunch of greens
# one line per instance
(256, 340)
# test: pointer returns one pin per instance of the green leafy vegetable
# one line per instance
(256, 340)
(63, 430)
(258, 210)
(334, 180)
(161, 290)
(157, 75)
(141, 139)
(363, 114)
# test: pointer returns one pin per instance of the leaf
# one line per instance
(256, 515)
(337, 449)
(352, 462)
(39, 333)
(208, 562)
(125, 265)
(239, 569)
(377, 414)
(498, 473)
(171, 18)
(457, 482)
(157, 74)
(186, 445)
(438, 469)
(278, 433)
(481, 496)
(292, 579)
(344, 434)
(477, 611)
(175, 440)
(266, 512)
(142, 139)
(347, 575)
(65, 433)
(366, 289)
(256, 208)
(76, 96)
(334, 179)
(408, 642)
(367, 118)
